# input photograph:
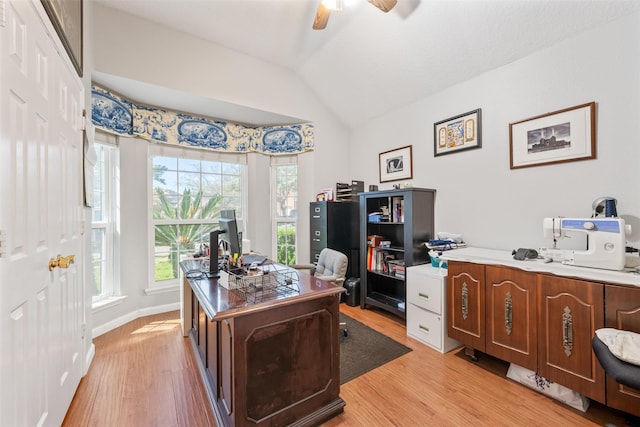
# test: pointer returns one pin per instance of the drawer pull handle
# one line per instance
(465, 301)
(424, 328)
(421, 295)
(508, 313)
(567, 331)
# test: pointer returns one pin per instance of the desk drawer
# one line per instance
(424, 290)
(425, 326)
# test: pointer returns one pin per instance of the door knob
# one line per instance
(61, 261)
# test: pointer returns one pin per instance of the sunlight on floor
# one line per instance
(158, 326)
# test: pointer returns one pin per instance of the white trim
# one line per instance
(161, 289)
(107, 303)
(166, 150)
(3, 16)
(88, 358)
(102, 137)
(122, 320)
(283, 160)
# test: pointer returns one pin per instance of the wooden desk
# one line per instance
(275, 362)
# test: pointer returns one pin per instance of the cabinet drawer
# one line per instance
(315, 256)
(318, 212)
(425, 290)
(319, 237)
(318, 222)
(425, 326)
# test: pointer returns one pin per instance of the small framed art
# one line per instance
(395, 165)
(458, 133)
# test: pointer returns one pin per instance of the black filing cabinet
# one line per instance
(335, 225)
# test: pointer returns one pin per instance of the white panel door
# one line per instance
(41, 310)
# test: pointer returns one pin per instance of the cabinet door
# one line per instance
(569, 313)
(226, 376)
(465, 299)
(226, 367)
(212, 357)
(202, 333)
(622, 312)
(511, 315)
(194, 316)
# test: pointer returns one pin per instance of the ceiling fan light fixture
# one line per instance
(333, 5)
(325, 7)
(384, 5)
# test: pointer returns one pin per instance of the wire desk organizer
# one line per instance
(263, 283)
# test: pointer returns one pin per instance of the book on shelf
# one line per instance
(397, 268)
(397, 209)
(374, 240)
(379, 259)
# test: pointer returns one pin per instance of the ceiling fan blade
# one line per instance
(322, 16)
(384, 5)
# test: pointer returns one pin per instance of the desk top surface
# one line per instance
(219, 302)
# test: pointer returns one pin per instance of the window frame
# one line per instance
(277, 162)
(110, 223)
(167, 150)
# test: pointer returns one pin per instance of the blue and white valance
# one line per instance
(115, 114)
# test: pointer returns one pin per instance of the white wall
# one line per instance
(132, 48)
(477, 194)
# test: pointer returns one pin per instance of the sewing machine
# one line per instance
(606, 242)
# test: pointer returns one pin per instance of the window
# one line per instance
(285, 184)
(189, 190)
(104, 238)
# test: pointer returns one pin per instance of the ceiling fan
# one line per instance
(325, 7)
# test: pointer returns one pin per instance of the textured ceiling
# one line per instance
(366, 63)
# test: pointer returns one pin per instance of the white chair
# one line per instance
(332, 267)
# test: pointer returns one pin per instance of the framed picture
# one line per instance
(395, 165)
(458, 133)
(66, 17)
(561, 136)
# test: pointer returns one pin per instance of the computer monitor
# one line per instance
(229, 232)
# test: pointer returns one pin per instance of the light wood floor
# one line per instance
(144, 374)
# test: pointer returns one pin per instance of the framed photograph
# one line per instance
(66, 17)
(561, 136)
(458, 133)
(395, 165)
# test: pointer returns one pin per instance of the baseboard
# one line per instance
(88, 358)
(147, 311)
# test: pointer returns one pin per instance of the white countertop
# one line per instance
(498, 257)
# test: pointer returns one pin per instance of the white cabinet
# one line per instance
(427, 308)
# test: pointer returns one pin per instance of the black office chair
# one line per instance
(331, 266)
(622, 372)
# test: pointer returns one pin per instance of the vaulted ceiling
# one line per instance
(366, 62)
